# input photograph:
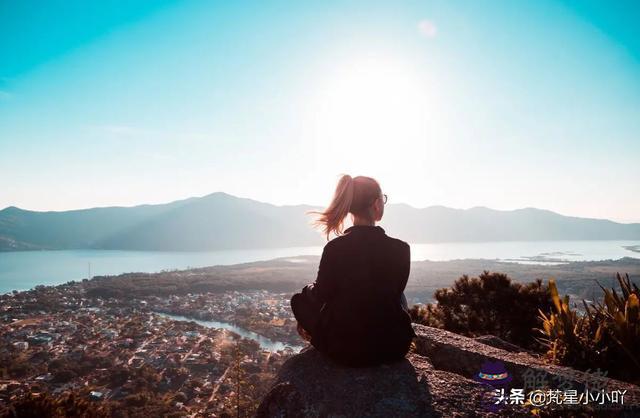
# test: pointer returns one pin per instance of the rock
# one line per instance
(497, 342)
(436, 380)
(464, 356)
(310, 385)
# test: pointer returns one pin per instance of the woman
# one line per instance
(355, 312)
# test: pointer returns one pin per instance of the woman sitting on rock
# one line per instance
(356, 312)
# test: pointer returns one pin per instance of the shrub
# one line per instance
(606, 336)
(63, 376)
(47, 406)
(489, 304)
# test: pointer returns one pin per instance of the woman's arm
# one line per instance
(405, 264)
(324, 286)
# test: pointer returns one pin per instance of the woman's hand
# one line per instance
(303, 333)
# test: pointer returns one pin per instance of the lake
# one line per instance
(26, 269)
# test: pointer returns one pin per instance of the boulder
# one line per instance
(465, 356)
(497, 342)
(437, 379)
(310, 385)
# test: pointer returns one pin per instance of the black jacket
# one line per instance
(360, 282)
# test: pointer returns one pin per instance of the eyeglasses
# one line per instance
(384, 199)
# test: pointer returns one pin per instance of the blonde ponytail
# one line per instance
(332, 218)
(351, 195)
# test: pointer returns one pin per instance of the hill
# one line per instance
(222, 221)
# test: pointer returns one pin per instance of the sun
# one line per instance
(369, 113)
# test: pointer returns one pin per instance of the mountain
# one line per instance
(441, 224)
(222, 221)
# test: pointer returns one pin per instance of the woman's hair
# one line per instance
(353, 195)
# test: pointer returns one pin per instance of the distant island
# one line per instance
(220, 221)
(634, 248)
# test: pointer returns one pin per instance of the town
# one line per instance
(128, 357)
(260, 311)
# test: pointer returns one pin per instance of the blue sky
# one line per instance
(458, 103)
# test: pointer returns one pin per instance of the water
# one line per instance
(527, 252)
(26, 269)
(265, 343)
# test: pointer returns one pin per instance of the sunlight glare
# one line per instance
(371, 115)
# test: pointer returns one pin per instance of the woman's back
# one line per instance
(353, 312)
(361, 280)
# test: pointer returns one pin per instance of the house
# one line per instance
(21, 345)
(95, 395)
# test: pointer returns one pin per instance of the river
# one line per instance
(265, 343)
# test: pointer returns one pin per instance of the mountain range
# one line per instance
(221, 221)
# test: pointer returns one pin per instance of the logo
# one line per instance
(496, 379)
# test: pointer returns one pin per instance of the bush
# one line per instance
(606, 336)
(47, 406)
(63, 376)
(137, 399)
(489, 304)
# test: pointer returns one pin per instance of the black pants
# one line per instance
(306, 308)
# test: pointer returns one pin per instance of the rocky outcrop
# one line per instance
(309, 385)
(465, 356)
(496, 342)
(439, 378)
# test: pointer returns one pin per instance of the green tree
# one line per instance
(489, 304)
(243, 401)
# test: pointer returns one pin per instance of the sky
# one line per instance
(457, 103)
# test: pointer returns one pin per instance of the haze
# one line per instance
(498, 104)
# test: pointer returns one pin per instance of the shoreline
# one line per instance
(24, 270)
(426, 275)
